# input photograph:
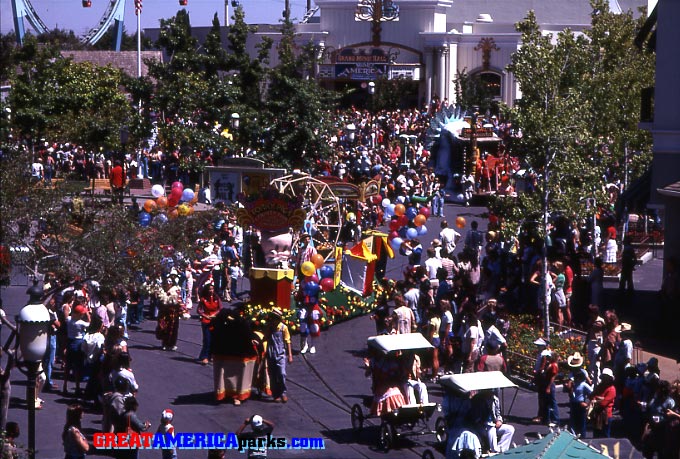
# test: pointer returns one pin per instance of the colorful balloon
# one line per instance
(411, 213)
(394, 225)
(389, 210)
(318, 260)
(177, 185)
(150, 205)
(411, 233)
(144, 219)
(327, 284)
(403, 220)
(377, 199)
(422, 230)
(393, 234)
(160, 219)
(157, 191)
(396, 243)
(312, 288)
(326, 271)
(162, 202)
(425, 211)
(419, 220)
(312, 278)
(183, 210)
(187, 194)
(460, 222)
(399, 210)
(172, 201)
(386, 203)
(307, 268)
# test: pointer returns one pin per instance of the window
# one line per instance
(492, 81)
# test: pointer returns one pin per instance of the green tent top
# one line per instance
(557, 445)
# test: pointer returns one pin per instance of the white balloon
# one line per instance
(157, 191)
(401, 199)
(386, 202)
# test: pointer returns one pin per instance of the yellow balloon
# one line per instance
(183, 210)
(308, 268)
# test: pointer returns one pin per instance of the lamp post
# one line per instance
(235, 123)
(33, 324)
(376, 12)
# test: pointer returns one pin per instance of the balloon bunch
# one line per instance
(313, 282)
(407, 222)
(179, 203)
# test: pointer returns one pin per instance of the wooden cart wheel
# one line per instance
(357, 418)
(440, 430)
(387, 436)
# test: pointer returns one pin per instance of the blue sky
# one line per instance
(69, 14)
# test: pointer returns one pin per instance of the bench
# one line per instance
(98, 185)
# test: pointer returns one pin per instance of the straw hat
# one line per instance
(276, 312)
(575, 361)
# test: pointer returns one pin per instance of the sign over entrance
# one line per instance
(361, 63)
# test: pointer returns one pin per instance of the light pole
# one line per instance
(376, 12)
(235, 123)
(33, 324)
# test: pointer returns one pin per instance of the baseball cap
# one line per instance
(256, 420)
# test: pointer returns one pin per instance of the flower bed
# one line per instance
(524, 330)
(342, 304)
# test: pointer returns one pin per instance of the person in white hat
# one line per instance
(580, 390)
(260, 429)
(166, 427)
(604, 396)
(624, 354)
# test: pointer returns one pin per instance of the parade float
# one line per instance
(342, 280)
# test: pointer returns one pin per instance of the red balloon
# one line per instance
(403, 221)
(312, 278)
(172, 201)
(392, 235)
(176, 193)
(327, 284)
(394, 225)
(377, 199)
(177, 185)
(425, 211)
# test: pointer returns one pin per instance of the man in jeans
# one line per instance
(552, 414)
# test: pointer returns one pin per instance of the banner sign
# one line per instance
(361, 63)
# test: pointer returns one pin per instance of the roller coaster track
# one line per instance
(115, 12)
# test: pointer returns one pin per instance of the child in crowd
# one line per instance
(166, 427)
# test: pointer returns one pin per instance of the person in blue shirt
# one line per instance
(580, 391)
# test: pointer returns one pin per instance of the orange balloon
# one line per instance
(172, 213)
(191, 210)
(420, 220)
(162, 202)
(399, 210)
(318, 260)
(460, 222)
(150, 205)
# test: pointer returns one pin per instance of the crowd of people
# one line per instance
(460, 300)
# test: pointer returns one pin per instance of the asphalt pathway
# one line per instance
(322, 389)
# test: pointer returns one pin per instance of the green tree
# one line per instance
(55, 98)
(300, 124)
(472, 92)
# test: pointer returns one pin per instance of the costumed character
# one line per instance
(260, 376)
(278, 348)
(169, 312)
(387, 375)
(276, 248)
(234, 356)
(312, 318)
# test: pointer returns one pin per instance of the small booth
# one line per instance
(361, 263)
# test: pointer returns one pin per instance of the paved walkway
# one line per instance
(322, 387)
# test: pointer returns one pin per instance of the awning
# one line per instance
(467, 382)
(402, 342)
(672, 190)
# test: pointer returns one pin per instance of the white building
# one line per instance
(431, 41)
